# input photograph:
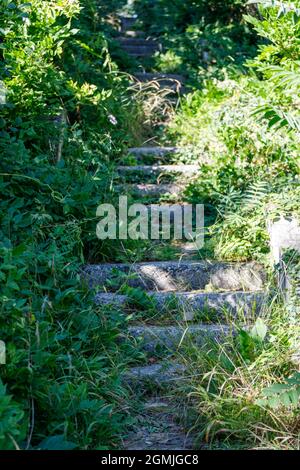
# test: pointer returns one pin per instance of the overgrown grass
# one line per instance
(62, 128)
(228, 379)
(243, 128)
(69, 116)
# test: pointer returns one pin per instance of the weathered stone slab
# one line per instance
(127, 22)
(160, 430)
(156, 190)
(134, 33)
(155, 170)
(285, 238)
(191, 303)
(156, 373)
(172, 336)
(181, 275)
(140, 51)
(153, 151)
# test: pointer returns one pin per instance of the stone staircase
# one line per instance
(191, 299)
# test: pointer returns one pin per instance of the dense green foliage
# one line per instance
(201, 38)
(162, 15)
(68, 116)
(61, 128)
(244, 129)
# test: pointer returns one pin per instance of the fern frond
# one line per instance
(278, 118)
(282, 77)
(255, 194)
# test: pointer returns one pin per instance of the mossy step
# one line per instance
(171, 337)
(127, 22)
(158, 374)
(134, 33)
(155, 170)
(133, 42)
(192, 303)
(141, 51)
(173, 190)
(163, 250)
(153, 151)
(157, 427)
(180, 275)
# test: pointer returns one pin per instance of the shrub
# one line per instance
(61, 127)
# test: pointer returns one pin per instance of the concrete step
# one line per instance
(155, 152)
(134, 33)
(154, 190)
(166, 79)
(127, 22)
(173, 336)
(156, 170)
(158, 427)
(193, 303)
(164, 216)
(141, 51)
(158, 374)
(125, 41)
(170, 276)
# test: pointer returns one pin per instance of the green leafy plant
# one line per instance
(11, 416)
(251, 342)
(278, 60)
(58, 141)
(282, 395)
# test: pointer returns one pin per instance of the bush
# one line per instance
(163, 16)
(61, 127)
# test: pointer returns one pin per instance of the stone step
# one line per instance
(193, 303)
(154, 190)
(155, 170)
(134, 33)
(172, 337)
(166, 79)
(156, 152)
(158, 427)
(158, 374)
(140, 51)
(181, 275)
(127, 22)
(125, 41)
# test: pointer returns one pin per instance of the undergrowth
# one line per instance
(229, 382)
(242, 125)
(68, 117)
(62, 127)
